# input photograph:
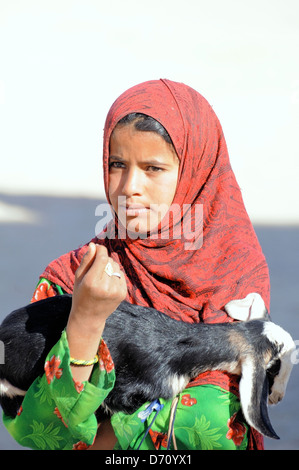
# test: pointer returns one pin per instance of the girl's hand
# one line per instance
(96, 294)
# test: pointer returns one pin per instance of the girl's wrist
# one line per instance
(84, 336)
(86, 324)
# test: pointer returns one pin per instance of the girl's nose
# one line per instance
(132, 183)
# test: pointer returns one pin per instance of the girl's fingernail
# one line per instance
(87, 251)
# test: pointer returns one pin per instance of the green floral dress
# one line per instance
(59, 413)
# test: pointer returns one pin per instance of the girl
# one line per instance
(164, 158)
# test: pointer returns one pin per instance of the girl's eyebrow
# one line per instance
(145, 162)
(114, 157)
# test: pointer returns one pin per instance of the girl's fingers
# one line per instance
(86, 261)
(99, 263)
(94, 263)
(91, 273)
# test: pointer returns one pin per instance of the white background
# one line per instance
(63, 62)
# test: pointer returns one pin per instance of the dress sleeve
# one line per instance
(57, 412)
(45, 289)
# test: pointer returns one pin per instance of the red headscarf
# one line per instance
(190, 285)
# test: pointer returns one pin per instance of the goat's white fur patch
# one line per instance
(283, 340)
(252, 307)
(9, 390)
(178, 382)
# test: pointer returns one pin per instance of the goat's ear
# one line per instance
(252, 307)
(254, 392)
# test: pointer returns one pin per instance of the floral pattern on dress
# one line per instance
(187, 400)
(79, 386)
(43, 290)
(105, 360)
(52, 369)
(236, 430)
(58, 414)
(81, 446)
(159, 439)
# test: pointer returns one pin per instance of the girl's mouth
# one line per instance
(135, 210)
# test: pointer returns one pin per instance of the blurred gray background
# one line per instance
(63, 63)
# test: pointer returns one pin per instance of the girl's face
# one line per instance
(143, 173)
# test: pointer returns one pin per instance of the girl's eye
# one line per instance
(121, 165)
(154, 168)
(116, 165)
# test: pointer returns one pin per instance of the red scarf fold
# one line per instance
(189, 285)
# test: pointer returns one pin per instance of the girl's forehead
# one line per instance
(126, 140)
